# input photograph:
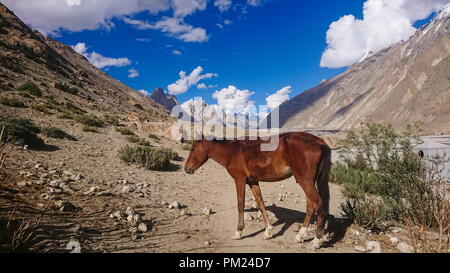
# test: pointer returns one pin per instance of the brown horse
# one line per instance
(303, 155)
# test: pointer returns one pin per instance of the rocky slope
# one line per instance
(167, 101)
(409, 81)
(64, 75)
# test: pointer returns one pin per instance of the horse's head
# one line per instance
(197, 157)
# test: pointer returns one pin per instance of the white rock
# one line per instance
(255, 205)
(207, 211)
(22, 184)
(137, 218)
(207, 243)
(117, 215)
(396, 230)
(247, 217)
(127, 189)
(55, 183)
(373, 247)
(360, 249)
(130, 211)
(175, 205)
(393, 240)
(142, 227)
(405, 248)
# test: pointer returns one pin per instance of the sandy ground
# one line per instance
(94, 156)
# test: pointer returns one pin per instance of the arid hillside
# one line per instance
(406, 82)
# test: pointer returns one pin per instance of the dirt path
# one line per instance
(94, 156)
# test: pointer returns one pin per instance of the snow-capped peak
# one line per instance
(444, 12)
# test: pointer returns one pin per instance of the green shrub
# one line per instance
(10, 64)
(65, 115)
(67, 89)
(40, 107)
(75, 109)
(31, 88)
(125, 131)
(154, 137)
(11, 101)
(172, 154)
(54, 132)
(89, 120)
(21, 132)
(112, 120)
(187, 147)
(138, 140)
(147, 157)
(90, 129)
(385, 181)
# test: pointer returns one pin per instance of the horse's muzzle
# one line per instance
(189, 170)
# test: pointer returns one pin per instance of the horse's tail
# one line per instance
(322, 177)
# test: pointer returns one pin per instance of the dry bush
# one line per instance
(4, 149)
(386, 182)
(138, 140)
(89, 120)
(147, 157)
(16, 234)
(125, 131)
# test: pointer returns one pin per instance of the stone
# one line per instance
(38, 165)
(142, 227)
(360, 249)
(127, 189)
(91, 190)
(137, 218)
(54, 183)
(22, 184)
(207, 243)
(255, 205)
(405, 248)
(207, 211)
(175, 205)
(396, 230)
(248, 217)
(373, 247)
(130, 211)
(393, 240)
(117, 215)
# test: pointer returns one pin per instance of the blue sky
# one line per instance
(266, 46)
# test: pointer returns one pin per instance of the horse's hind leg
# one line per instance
(240, 192)
(303, 229)
(314, 204)
(259, 200)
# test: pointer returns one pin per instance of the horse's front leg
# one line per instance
(259, 200)
(240, 192)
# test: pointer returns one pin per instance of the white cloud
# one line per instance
(185, 81)
(234, 100)
(174, 27)
(176, 52)
(50, 16)
(227, 22)
(223, 5)
(133, 73)
(384, 23)
(282, 95)
(254, 3)
(204, 86)
(182, 8)
(99, 60)
(143, 91)
(144, 40)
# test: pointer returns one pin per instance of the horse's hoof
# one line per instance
(268, 235)
(237, 235)
(301, 235)
(299, 239)
(317, 243)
